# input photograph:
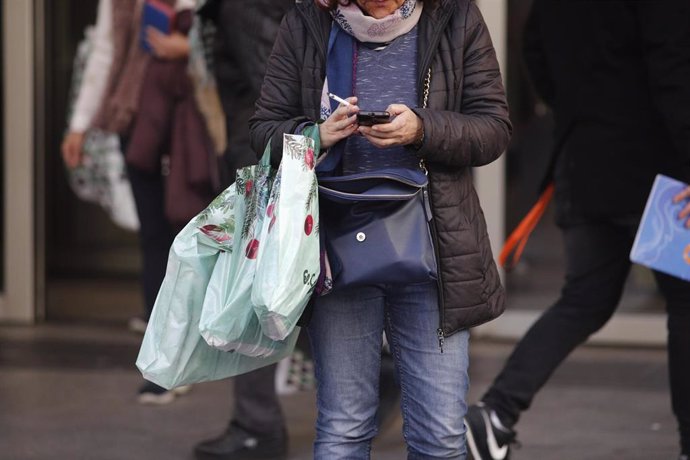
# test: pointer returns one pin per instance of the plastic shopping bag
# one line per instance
(247, 337)
(227, 320)
(288, 262)
(173, 353)
(101, 178)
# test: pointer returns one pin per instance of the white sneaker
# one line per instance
(137, 324)
(156, 399)
(152, 394)
(182, 390)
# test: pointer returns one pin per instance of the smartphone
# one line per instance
(373, 118)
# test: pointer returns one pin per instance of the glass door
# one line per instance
(91, 266)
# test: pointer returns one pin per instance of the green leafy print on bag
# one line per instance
(294, 148)
(217, 221)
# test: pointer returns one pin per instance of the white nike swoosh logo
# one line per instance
(497, 453)
(251, 443)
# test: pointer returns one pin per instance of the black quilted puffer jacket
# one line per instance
(466, 125)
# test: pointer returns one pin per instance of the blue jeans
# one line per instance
(346, 335)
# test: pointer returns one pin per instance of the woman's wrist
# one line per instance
(419, 136)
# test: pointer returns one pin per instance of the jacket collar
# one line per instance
(431, 26)
(318, 23)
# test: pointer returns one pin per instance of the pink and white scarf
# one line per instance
(370, 30)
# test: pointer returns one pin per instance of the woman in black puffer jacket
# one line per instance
(433, 66)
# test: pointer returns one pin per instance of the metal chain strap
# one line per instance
(427, 86)
(425, 104)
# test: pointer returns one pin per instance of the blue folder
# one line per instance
(662, 241)
(157, 15)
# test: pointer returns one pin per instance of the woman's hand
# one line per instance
(164, 46)
(685, 212)
(341, 124)
(405, 128)
(71, 149)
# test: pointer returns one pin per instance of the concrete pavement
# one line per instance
(69, 392)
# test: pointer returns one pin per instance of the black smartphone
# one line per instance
(373, 118)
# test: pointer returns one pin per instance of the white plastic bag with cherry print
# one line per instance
(288, 262)
(227, 320)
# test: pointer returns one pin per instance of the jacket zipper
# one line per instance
(439, 278)
(425, 64)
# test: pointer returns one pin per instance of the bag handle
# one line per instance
(312, 131)
(265, 160)
(518, 238)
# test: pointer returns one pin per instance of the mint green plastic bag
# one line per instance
(288, 263)
(227, 319)
(173, 353)
(247, 338)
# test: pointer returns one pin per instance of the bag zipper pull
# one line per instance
(441, 338)
(427, 205)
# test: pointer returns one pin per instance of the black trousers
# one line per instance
(156, 234)
(256, 404)
(597, 266)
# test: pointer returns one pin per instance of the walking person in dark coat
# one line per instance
(617, 76)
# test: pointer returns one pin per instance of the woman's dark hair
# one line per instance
(330, 5)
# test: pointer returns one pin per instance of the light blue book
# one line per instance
(662, 241)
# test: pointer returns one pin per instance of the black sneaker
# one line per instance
(487, 438)
(238, 444)
(152, 394)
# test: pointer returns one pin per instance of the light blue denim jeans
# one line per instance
(346, 336)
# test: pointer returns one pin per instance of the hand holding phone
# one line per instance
(364, 118)
(373, 118)
(403, 127)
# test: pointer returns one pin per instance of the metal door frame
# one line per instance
(18, 301)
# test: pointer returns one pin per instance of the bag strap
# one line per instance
(425, 104)
(522, 232)
(312, 131)
(518, 238)
(426, 88)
